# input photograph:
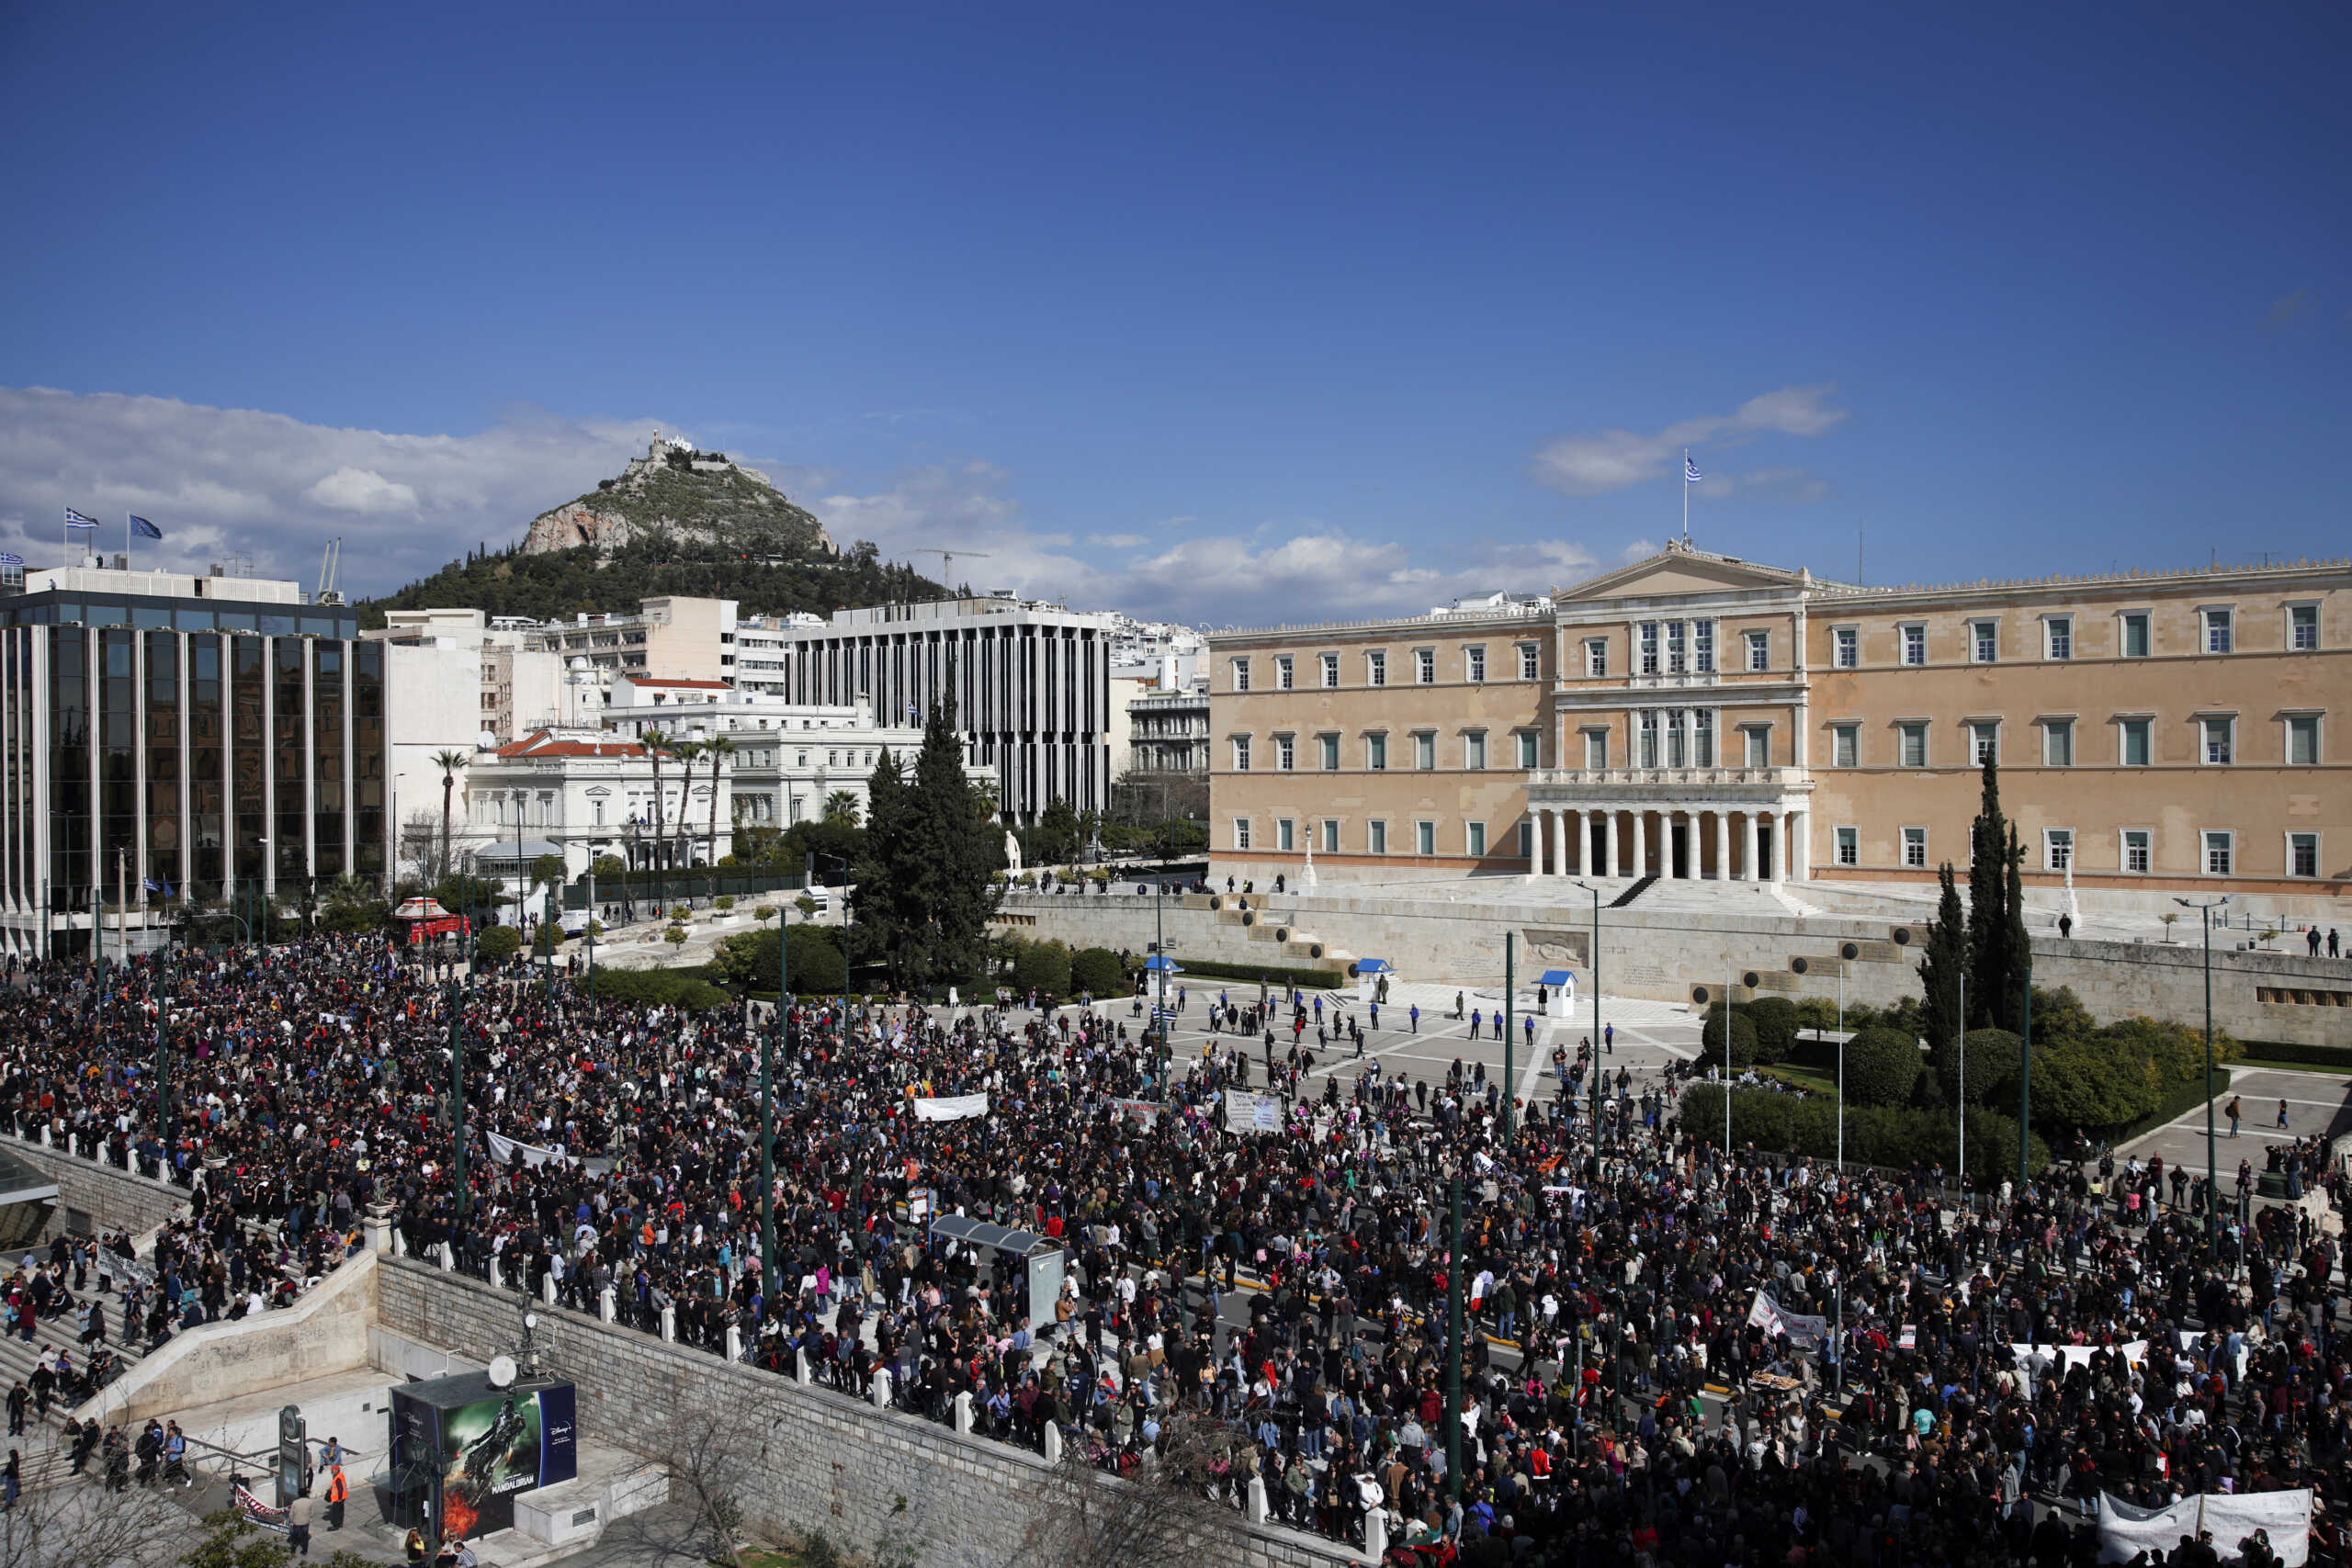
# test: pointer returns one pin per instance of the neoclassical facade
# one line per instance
(1696, 716)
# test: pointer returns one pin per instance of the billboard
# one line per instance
(465, 1448)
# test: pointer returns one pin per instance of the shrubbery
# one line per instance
(1743, 1039)
(1042, 966)
(1881, 1066)
(658, 988)
(1888, 1136)
(1775, 1019)
(816, 966)
(499, 944)
(1098, 972)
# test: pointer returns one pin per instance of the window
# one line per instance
(2302, 855)
(2218, 630)
(1241, 832)
(1595, 748)
(2217, 740)
(1702, 738)
(2058, 743)
(1425, 666)
(2302, 635)
(1479, 841)
(1849, 846)
(2139, 742)
(1283, 840)
(1425, 750)
(1283, 672)
(1759, 747)
(1984, 641)
(1912, 745)
(1376, 837)
(1677, 647)
(1330, 835)
(2057, 848)
(1240, 675)
(1527, 748)
(1473, 749)
(1649, 647)
(2136, 634)
(1329, 746)
(1915, 846)
(1596, 656)
(1285, 754)
(1846, 648)
(1425, 838)
(1475, 664)
(1846, 746)
(2220, 854)
(2302, 740)
(1376, 667)
(1527, 659)
(2058, 638)
(1760, 650)
(2137, 854)
(1647, 749)
(1676, 751)
(1915, 643)
(1240, 753)
(1985, 742)
(1376, 752)
(1330, 663)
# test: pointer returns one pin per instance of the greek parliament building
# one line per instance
(1697, 716)
(208, 733)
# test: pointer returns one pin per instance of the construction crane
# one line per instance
(328, 566)
(948, 561)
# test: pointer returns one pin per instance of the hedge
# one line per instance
(658, 988)
(1272, 974)
(2311, 1055)
(1098, 972)
(2179, 1103)
(1888, 1136)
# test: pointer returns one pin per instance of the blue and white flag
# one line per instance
(75, 520)
(11, 560)
(162, 889)
(1690, 470)
(145, 529)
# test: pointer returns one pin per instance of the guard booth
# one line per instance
(1041, 1255)
(1370, 973)
(1561, 992)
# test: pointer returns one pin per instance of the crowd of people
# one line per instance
(1640, 1384)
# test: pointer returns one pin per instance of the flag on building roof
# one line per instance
(145, 529)
(1690, 469)
(11, 560)
(75, 520)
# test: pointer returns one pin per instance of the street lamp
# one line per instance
(2213, 1185)
(1595, 1019)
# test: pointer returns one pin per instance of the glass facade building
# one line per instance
(201, 742)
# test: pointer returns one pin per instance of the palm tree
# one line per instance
(687, 752)
(451, 764)
(841, 808)
(720, 747)
(654, 741)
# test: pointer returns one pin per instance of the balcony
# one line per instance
(1681, 785)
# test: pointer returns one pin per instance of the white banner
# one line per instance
(2069, 1357)
(1247, 1111)
(1804, 1332)
(503, 1149)
(951, 1108)
(2126, 1529)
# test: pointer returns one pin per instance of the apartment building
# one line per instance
(1699, 716)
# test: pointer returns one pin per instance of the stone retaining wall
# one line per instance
(828, 1461)
(93, 1197)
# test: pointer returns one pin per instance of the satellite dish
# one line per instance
(502, 1371)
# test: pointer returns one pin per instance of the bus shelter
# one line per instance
(1040, 1255)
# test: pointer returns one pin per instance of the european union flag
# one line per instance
(145, 529)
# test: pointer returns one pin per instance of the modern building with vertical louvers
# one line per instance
(214, 736)
(1032, 683)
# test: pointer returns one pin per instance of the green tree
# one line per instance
(1097, 972)
(1043, 966)
(351, 905)
(748, 959)
(499, 944)
(1775, 1027)
(1992, 1076)
(924, 892)
(547, 869)
(1055, 839)
(1998, 951)
(1941, 968)
(841, 808)
(1881, 1066)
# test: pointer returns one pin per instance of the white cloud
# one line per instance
(1593, 462)
(1115, 541)
(1797, 485)
(218, 481)
(362, 490)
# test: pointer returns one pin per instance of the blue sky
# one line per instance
(1225, 313)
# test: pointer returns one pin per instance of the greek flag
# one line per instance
(75, 520)
(11, 560)
(162, 889)
(145, 529)
(1690, 470)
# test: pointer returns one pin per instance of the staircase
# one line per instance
(18, 1359)
(1640, 886)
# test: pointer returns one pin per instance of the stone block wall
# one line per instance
(95, 1197)
(828, 1462)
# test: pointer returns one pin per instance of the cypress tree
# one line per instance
(880, 903)
(2006, 1000)
(1941, 968)
(1990, 918)
(950, 829)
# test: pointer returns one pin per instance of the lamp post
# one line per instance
(1454, 1351)
(2213, 1185)
(590, 935)
(1509, 954)
(1841, 1085)
(1596, 1018)
(768, 1044)
(457, 1104)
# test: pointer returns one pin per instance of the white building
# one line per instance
(583, 793)
(1031, 681)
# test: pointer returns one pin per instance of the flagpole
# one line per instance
(1686, 498)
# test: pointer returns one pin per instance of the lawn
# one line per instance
(1819, 1080)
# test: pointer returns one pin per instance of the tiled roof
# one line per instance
(541, 745)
